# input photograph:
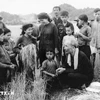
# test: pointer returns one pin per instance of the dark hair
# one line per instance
(71, 26)
(6, 30)
(50, 49)
(1, 31)
(83, 17)
(44, 16)
(25, 27)
(61, 28)
(57, 7)
(64, 13)
(96, 10)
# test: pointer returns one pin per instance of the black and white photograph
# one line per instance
(49, 50)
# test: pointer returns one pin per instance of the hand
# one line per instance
(60, 70)
(79, 34)
(56, 51)
(12, 66)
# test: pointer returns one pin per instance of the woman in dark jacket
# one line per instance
(48, 36)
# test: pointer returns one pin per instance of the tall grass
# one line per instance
(18, 86)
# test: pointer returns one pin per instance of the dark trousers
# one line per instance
(3, 78)
(86, 49)
(42, 55)
(73, 80)
(76, 80)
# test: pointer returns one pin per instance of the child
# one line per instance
(49, 66)
(84, 35)
(69, 34)
(5, 62)
(48, 71)
(64, 17)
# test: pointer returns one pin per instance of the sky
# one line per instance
(24, 7)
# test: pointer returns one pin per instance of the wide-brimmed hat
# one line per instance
(94, 87)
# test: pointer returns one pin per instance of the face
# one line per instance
(7, 36)
(49, 55)
(64, 18)
(80, 22)
(43, 21)
(69, 31)
(68, 49)
(56, 11)
(97, 15)
(29, 31)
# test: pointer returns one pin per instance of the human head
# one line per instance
(82, 19)
(69, 45)
(97, 14)
(7, 34)
(61, 28)
(69, 29)
(64, 16)
(44, 18)
(56, 10)
(49, 53)
(27, 28)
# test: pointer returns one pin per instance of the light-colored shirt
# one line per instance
(95, 26)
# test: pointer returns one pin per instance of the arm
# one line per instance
(63, 46)
(47, 73)
(16, 49)
(44, 65)
(55, 32)
(4, 65)
(39, 32)
(87, 38)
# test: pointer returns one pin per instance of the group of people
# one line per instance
(67, 57)
(64, 55)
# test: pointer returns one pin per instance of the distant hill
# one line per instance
(10, 18)
(14, 19)
(28, 18)
(74, 13)
(21, 19)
